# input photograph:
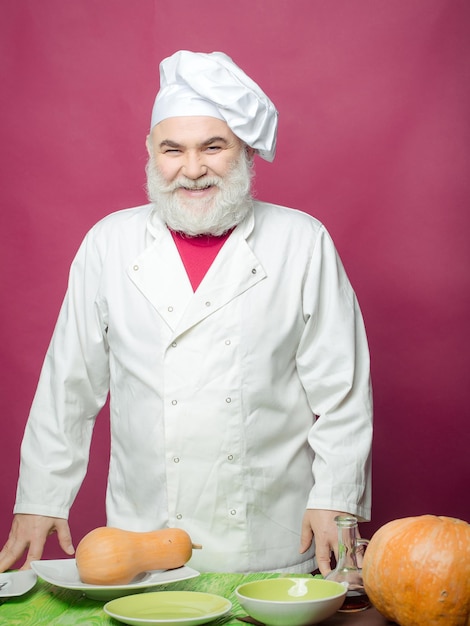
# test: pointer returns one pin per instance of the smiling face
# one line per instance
(194, 148)
(198, 175)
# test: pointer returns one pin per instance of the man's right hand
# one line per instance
(30, 532)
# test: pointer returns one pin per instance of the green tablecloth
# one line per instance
(47, 605)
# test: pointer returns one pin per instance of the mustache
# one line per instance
(187, 183)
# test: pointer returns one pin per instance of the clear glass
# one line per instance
(347, 570)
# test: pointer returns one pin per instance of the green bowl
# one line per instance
(293, 601)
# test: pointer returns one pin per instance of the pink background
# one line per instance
(374, 140)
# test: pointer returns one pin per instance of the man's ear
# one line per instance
(250, 152)
(148, 145)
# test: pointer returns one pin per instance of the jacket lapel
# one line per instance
(160, 275)
(234, 270)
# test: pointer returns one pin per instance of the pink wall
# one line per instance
(374, 140)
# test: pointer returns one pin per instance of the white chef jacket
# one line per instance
(213, 394)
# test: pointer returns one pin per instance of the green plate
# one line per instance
(168, 608)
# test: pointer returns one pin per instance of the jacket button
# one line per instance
(253, 271)
(230, 457)
(227, 342)
(135, 268)
(174, 344)
(179, 516)
(208, 303)
(228, 400)
(170, 309)
(173, 402)
(233, 512)
(176, 459)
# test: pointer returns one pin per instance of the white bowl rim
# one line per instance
(298, 601)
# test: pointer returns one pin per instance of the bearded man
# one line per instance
(230, 341)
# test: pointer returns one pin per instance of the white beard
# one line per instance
(214, 216)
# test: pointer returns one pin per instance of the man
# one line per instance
(222, 327)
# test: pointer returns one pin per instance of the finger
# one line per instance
(323, 555)
(65, 538)
(35, 551)
(306, 537)
(11, 552)
(7, 563)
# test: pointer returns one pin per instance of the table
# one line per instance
(47, 605)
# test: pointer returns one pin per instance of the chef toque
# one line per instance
(196, 83)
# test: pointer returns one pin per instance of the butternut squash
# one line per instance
(111, 556)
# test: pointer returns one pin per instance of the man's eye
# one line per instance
(213, 148)
(171, 150)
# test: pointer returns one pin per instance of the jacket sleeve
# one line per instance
(72, 388)
(333, 364)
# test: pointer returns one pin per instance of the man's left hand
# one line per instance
(321, 524)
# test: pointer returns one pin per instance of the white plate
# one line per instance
(17, 583)
(64, 573)
(168, 608)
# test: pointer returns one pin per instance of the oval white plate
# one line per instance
(17, 583)
(64, 573)
(168, 608)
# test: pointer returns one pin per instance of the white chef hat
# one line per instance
(196, 83)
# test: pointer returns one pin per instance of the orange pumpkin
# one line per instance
(111, 556)
(416, 571)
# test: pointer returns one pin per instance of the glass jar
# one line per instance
(347, 570)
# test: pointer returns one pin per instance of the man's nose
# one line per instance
(194, 165)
